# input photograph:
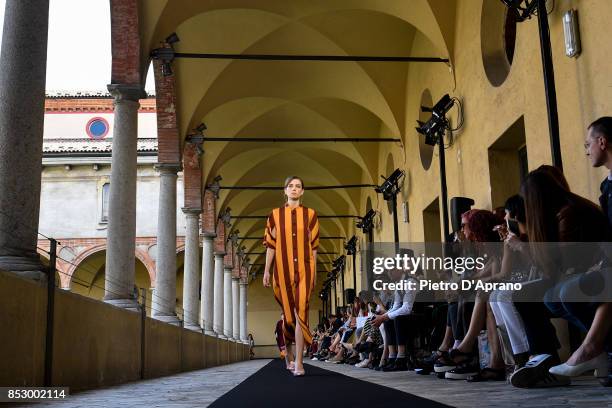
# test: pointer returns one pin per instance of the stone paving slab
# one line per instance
(198, 388)
(585, 392)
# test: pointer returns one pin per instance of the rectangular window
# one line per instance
(105, 194)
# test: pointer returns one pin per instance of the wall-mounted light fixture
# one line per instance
(571, 33)
(405, 214)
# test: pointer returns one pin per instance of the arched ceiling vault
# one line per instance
(321, 117)
(294, 99)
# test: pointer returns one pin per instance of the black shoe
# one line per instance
(463, 372)
(459, 357)
(390, 362)
(444, 364)
(607, 381)
(535, 374)
(401, 364)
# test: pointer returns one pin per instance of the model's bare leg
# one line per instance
(299, 345)
(593, 344)
(289, 358)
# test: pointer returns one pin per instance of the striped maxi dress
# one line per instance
(294, 234)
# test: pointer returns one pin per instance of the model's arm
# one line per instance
(269, 260)
(270, 243)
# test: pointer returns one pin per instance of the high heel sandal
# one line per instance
(459, 356)
(299, 373)
(599, 364)
(291, 366)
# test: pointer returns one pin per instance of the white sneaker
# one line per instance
(363, 364)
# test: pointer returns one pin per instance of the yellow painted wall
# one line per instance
(95, 344)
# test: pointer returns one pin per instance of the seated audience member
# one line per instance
(396, 322)
(554, 214)
(479, 229)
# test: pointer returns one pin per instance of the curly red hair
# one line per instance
(480, 225)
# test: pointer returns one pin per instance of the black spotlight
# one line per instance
(524, 9)
(366, 223)
(338, 263)
(435, 127)
(166, 54)
(201, 127)
(172, 39)
(351, 246)
(390, 187)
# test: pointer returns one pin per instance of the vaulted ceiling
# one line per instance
(287, 99)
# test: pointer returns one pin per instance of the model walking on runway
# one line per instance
(292, 239)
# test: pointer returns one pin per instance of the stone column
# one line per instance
(121, 233)
(191, 276)
(243, 312)
(218, 295)
(23, 66)
(227, 302)
(208, 264)
(164, 296)
(235, 309)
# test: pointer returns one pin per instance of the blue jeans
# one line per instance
(576, 298)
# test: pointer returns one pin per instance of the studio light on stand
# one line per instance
(389, 189)
(338, 269)
(524, 10)
(434, 130)
(351, 249)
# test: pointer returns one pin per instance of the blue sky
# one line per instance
(79, 49)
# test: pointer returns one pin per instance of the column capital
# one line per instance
(191, 210)
(219, 254)
(243, 283)
(209, 235)
(123, 92)
(235, 278)
(168, 168)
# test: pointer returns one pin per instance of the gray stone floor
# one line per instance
(584, 391)
(192, 389)
(202, 387)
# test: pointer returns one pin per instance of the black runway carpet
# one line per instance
(274, 386)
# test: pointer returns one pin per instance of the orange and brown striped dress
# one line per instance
(294, 234)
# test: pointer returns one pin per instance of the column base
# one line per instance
(193, 327)
(210, 333)
(26, 267)
(170, 319)
(221, 337)
(129, 304)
